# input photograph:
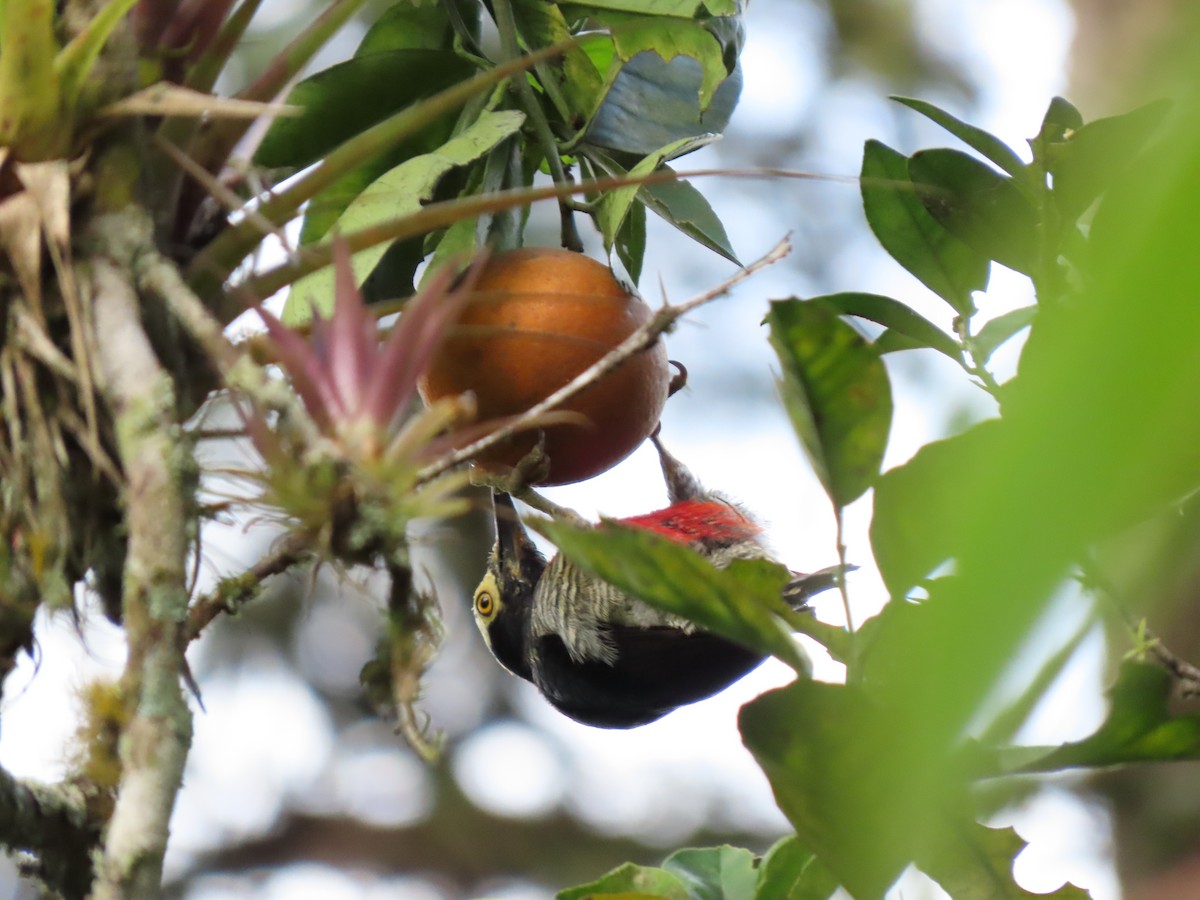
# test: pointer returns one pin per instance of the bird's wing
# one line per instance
(655, 670)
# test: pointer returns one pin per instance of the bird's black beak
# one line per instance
(515, 550)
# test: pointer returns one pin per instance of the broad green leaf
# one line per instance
(1139, 726)
(326, 208)
(680, 8)
(348, 98)
(973, 862)
(907, 231)
(990, 146)
(1093, 157)
(714, 873)
(1061, 120)
(916, 514)
(1000, 329)
(412, 25)
(741, 602)
(630, 882)
(984, 209)
(394, 274)
(400, 191)
(667, 79)
(829, 758)
(837, 393)
(682, 204)
(671, 38)
(615, 204)
(897, 317)
(790, 871)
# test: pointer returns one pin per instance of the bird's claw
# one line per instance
(530, 469)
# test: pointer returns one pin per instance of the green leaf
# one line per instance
(897, 317)
(908, 545)
(31, 98)
(570, 79)
(741, 602)
(323, 211)
(394, 274)
(667, 79)
(990, 146)
(828, 757)
(714, 873)
(790, 871)
(1093, 157)
(676, 202)
(1000, 329)
(631, 241)
(837, 393)
(1139, 726)
(1060, 121)
(411, 25)
(973, 862)
(907, 231)
(630, 882)
(395, 194)
(75, 62)
(348, 98)
(682, 204)
(498, 230)
(669, 39)
(982, 208)
(615, 204)
(680, 8)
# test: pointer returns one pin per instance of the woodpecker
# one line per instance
(598, 655)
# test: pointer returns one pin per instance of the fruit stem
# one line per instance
(511, 49)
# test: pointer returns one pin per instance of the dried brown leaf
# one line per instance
(21, 240)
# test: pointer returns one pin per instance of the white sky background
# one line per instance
(266, 740)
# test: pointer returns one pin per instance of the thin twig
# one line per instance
(1187, 673)
(234, 592)
(219, 192)
(843, 590)
(643, 337)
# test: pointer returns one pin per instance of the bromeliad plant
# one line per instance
(349, 470)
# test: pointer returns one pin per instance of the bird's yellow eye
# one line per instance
(487, 599)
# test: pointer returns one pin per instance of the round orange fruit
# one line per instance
(537, 317)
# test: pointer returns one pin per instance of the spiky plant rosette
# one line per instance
(346, 466)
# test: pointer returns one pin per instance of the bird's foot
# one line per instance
(519, 480)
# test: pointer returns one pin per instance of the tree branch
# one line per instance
(51, 823)
(141, 396)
